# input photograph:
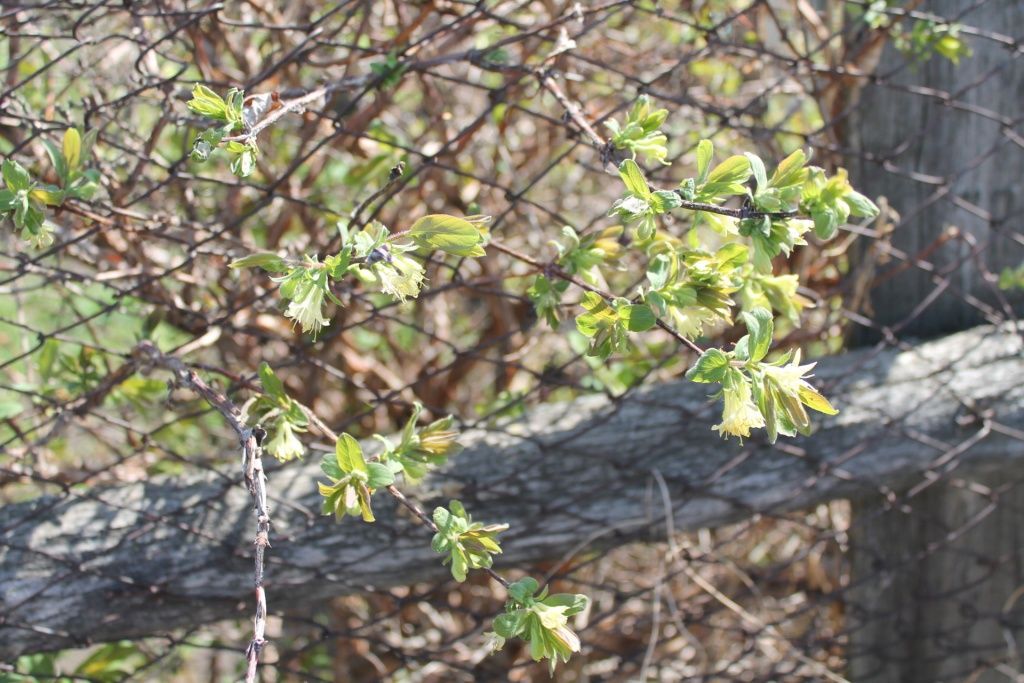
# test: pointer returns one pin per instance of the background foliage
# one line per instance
(448, 108)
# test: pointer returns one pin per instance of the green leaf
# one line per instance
(72, 148)
(600, 315)
(760, 326)
(510, 624)
(453, 235)
(732, 256)
(860, 205)
(266, 260)
(15, 176)
(766, 403)
(523, 589)
(458, 509)
(659, 270)
(47, 357)
(88, 142)
(365, 507)
(573, 602)
(443, 519)
(329, 466)
(634, 179)
(665, 200)
(757, 167)
(826, 223)
(47, 194)
(207, 103)
(271, 383)
(8, 409)
(710, 367)
(812, 399)
(727, 178)
(244, 164)
(790, 170)
(705, 151)
(379, 475)
(350, 455)
(60, 164)
(637, 317)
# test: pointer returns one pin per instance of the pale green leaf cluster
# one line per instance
(642, 205)
(1012, 278)
(456, 236)
(280, 416)
(926, 37)
(582, 256)
(351, 480)
(67, 369)
(228, 114)
(640, 133)
(759, 394)
(390, 71)
(692, 288)
(373, 256)
(24, 199)
(465, 543)
(777, 292)
(540, 619)
(421, 449)
(607, 323)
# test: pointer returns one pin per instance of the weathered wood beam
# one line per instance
(143, 559)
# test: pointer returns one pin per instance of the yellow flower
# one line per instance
(740, 414)
(790, 385)
(790, 378)
(285, 445)
(401, 277)
(306, 308)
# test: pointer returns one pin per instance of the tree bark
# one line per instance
(142, 559)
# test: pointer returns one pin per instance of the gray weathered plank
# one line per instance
(142, 559)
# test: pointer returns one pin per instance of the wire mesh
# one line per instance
(122, 489)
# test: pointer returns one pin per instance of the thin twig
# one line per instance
(251, 440)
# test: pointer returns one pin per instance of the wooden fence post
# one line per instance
(936, 569)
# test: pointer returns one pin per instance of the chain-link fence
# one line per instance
(883, 547)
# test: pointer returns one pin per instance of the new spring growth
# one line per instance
(230, 117)
(24, 198)
(758, 394)
(421, 449)
(466, 544)
(280, 415)
(640, 134)
(374, 256)
(540, 619)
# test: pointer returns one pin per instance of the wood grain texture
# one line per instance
(143, 559)
(941, 141)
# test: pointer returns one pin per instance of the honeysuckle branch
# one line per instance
(392, 490)
(690, 288)
(742, 213)
(556, 270)
(605, 147)
(251, 439)
(297, 104)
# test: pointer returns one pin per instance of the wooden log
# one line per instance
(142, 559)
